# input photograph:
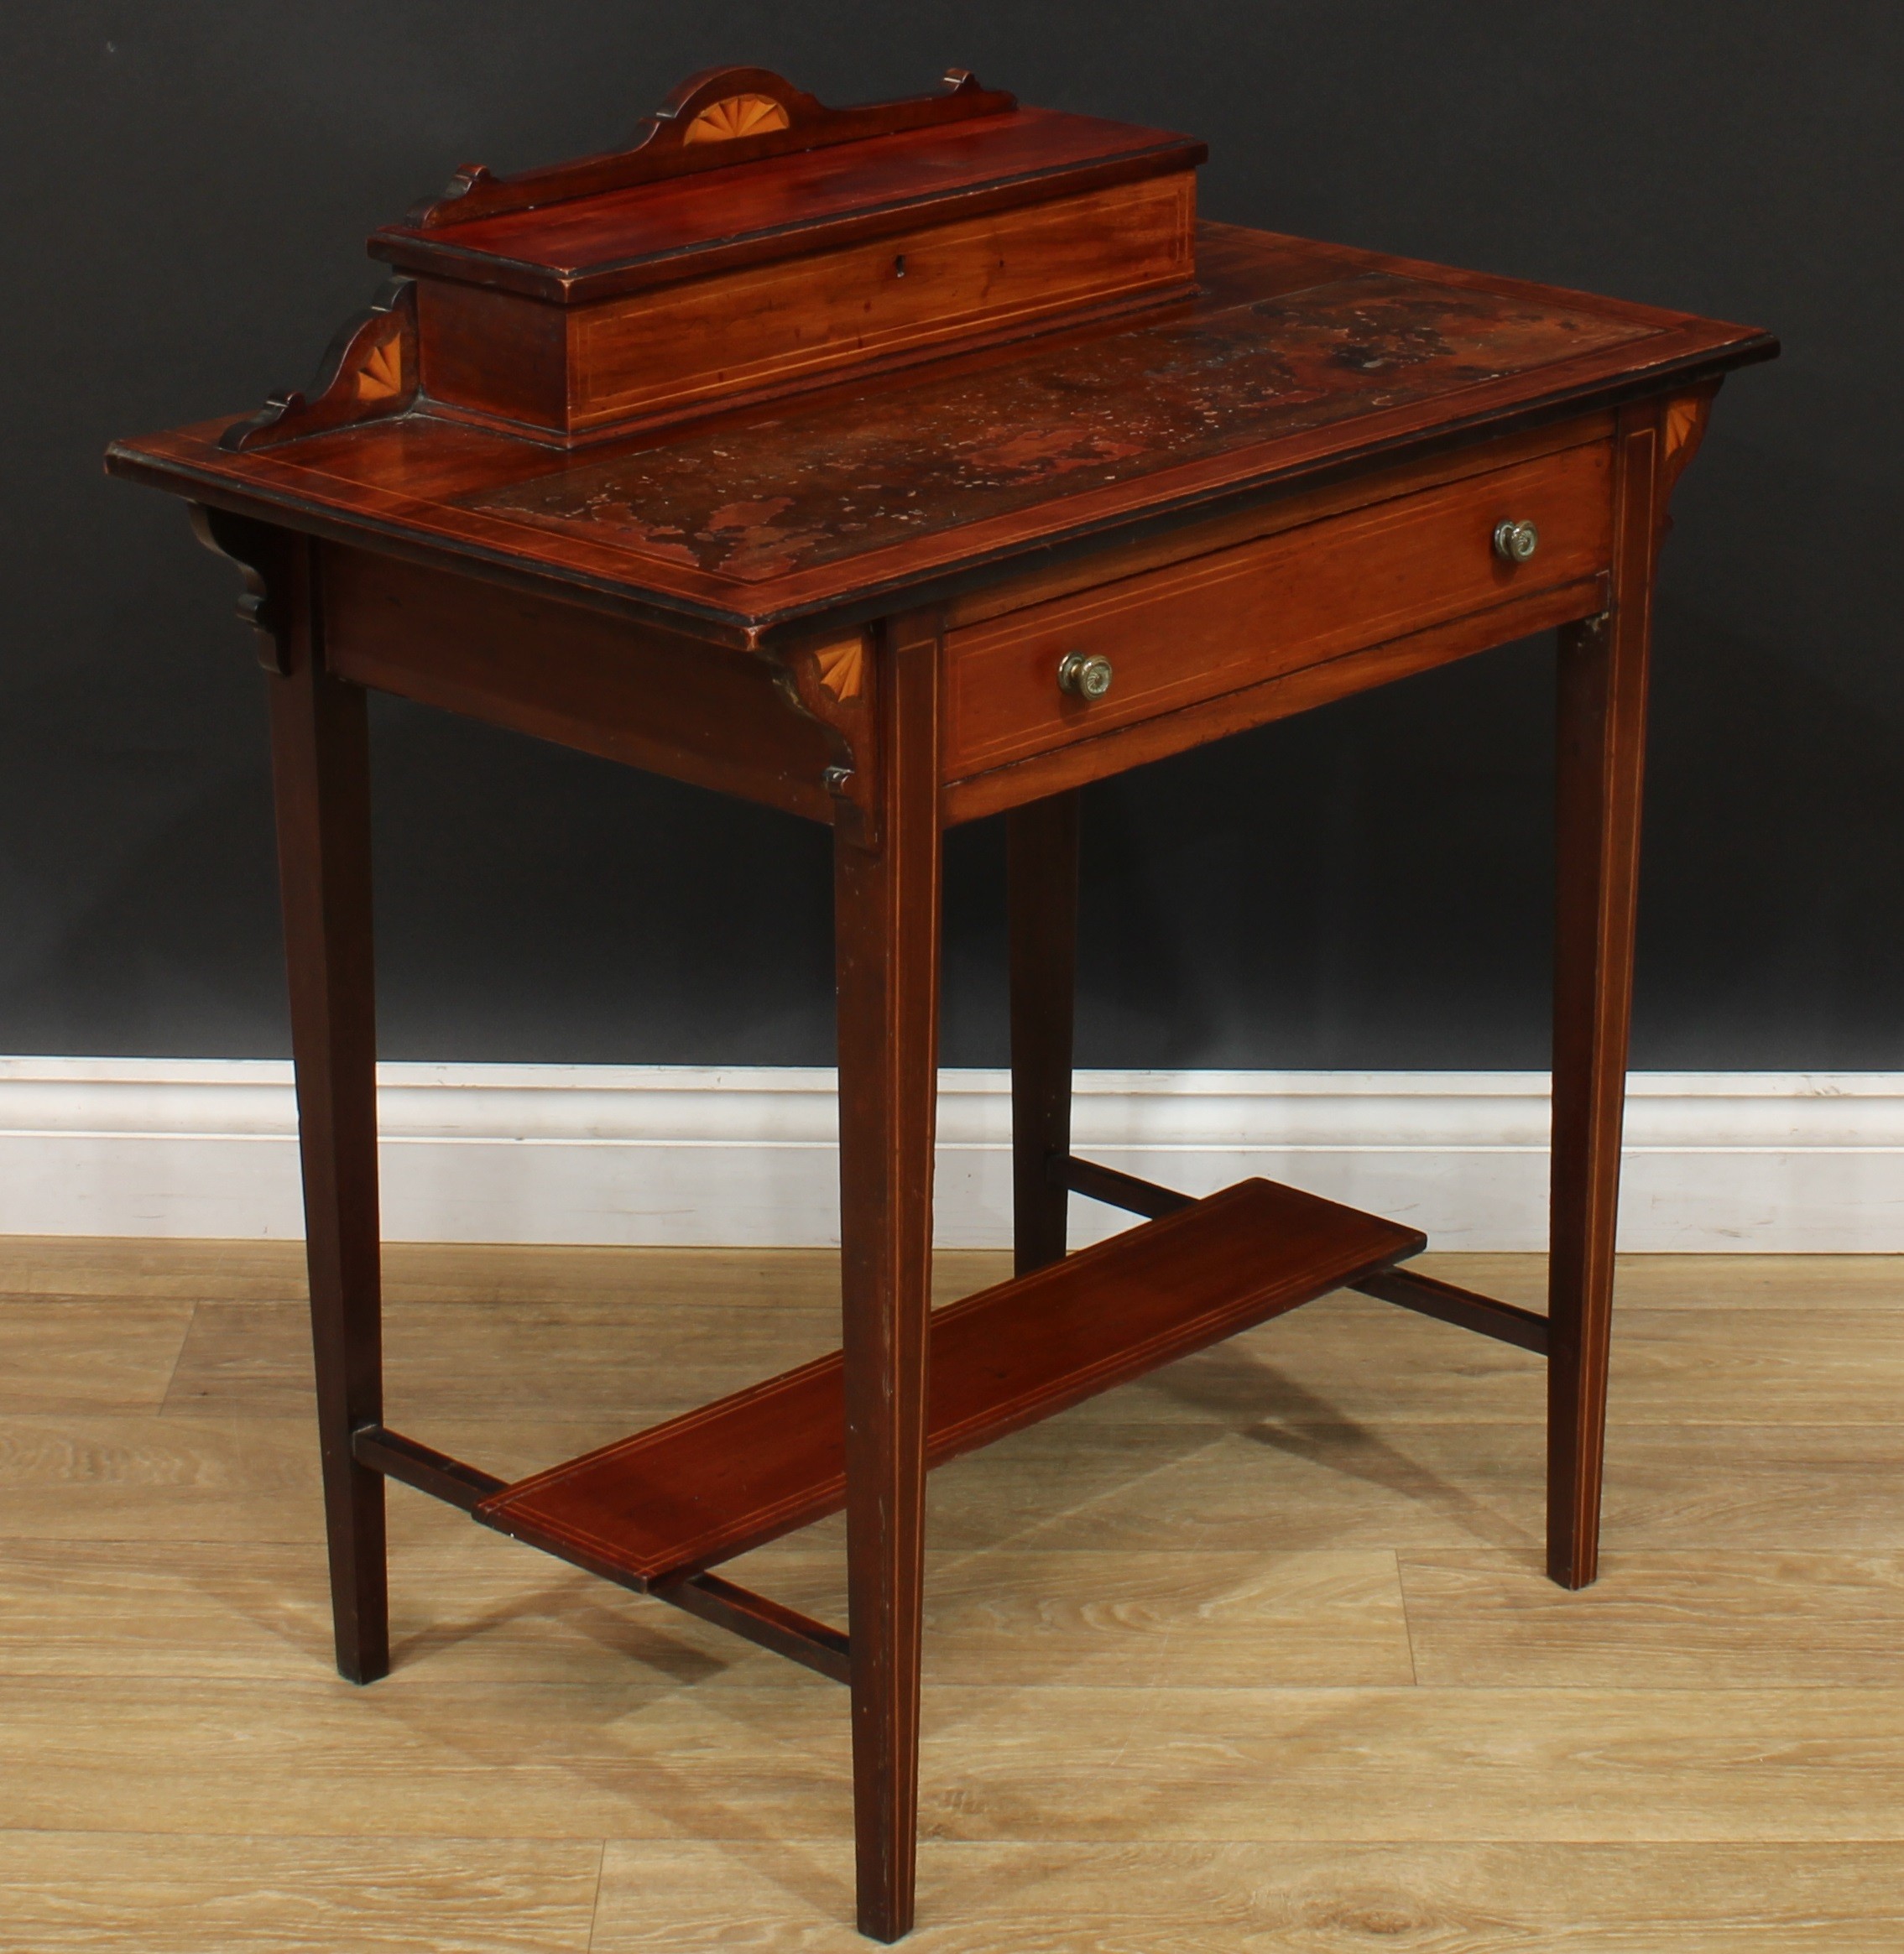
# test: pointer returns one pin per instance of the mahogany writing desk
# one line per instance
(894, 467)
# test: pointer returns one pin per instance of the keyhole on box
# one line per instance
(899, 266)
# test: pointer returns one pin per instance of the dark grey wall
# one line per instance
(188, 188)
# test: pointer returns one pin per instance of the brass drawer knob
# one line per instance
(1088, 678)
(1516, 541)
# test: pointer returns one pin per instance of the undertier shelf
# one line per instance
(716, 1482)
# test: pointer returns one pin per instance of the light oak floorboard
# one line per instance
(1297, 1486)
(1066, 1486)
(646, 1358)
(1736, 1620)
(104, 1265)
(468, 1604)
(212, 1478)
(1725, 1283)
(88, 1354)
(1633, 1766)
(1074, 1484)
(642, 1360)
(1452, 1899)
(1134, 1620)
(504, 1272)
(700, 1751)
(1686, 1620)
(716, 1751)
(1357, 1358)
(462, 1272)
(142, 1476)
(263, 1895)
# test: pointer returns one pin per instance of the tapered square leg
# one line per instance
(887, 905)
(1602, 737)
(1041, 905)
(321, 771)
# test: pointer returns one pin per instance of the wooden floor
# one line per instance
(1256, 1654)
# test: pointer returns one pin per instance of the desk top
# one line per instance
(1291, 361)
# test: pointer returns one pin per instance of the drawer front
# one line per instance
(775, 323)
(1216, 623)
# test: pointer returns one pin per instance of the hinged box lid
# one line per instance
(742, 168)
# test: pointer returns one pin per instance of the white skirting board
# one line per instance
(667, 1154)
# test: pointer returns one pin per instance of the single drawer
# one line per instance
(1215, 624)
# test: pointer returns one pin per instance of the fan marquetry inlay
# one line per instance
(842, 668)
(382, 374)
(736, 115)
(1682, 418)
